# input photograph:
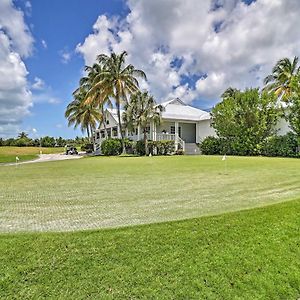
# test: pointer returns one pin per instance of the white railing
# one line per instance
(165, 136)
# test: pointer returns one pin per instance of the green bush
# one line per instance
(111, 147)
(140, 148)
(286, 146)
(87, 147)
(163, 147)
(213, 145)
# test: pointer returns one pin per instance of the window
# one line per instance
(173, 130)
(148, 129)
(107, 122)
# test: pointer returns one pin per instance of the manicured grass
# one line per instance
(253, 254)
(8, 154)
(100, 192)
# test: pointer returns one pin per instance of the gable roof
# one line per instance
(175, 109)
(178, 110)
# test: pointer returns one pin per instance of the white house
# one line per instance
(184, 124)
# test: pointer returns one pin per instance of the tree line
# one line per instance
(23, 140)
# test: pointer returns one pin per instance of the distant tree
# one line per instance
(60, 142)
(22, 135)
(47, 141)
(141, 111)
(281, 80)
(245, 119)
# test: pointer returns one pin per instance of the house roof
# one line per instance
(178, 110)
(174, 109)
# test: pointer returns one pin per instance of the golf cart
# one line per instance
(71, 150)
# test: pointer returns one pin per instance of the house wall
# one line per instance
(282, 127)
(111, 120)
(204, 130)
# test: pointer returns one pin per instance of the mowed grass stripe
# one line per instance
(105, 192)
(253, 254)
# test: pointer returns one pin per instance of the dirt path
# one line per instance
(46, 157)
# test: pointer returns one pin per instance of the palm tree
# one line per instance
(81, 114)
(95, 96)
(280, 81)
(117, 81)
(22, 135)
(141, 111)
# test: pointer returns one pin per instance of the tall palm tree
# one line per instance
(117, 81)
(95, 96)
(81, 114)
(283, 74)
(22, 135)
(141, 111)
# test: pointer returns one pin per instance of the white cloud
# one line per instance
(65, 56)
(15, 43)
(44, 44)
(38, 84)
(215, 44)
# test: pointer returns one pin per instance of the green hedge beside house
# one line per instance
(284, 146)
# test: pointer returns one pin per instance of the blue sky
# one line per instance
(62, 25)
(192, 49)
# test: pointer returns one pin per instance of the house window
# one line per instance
(148, 129)
(107, 122)
(173, 130)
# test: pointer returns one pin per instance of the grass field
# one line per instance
(104, 192)
(8, 154)
(253, 254)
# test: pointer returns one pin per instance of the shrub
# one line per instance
(286, 146)
(140, 147)
(111, 147)
(165, 147)
(87, 147)
(179, 152)
(212, 145)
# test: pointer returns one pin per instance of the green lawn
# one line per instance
(8, 154)
(100, 192)
(253, 254)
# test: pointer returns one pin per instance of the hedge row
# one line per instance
(111, 147)
(285, 146)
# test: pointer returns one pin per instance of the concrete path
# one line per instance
(46, 157)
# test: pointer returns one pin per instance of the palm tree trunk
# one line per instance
(104, 122)
(88, 132)
(120, 125)
(145, 142)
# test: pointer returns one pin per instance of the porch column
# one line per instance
(176, 135)
(111, 132)
(197, 132)
(139, 133)
(118, 132)
(154, 131)
(126, 132)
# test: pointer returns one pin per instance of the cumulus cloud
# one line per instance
(15, 43)
(196, 49)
